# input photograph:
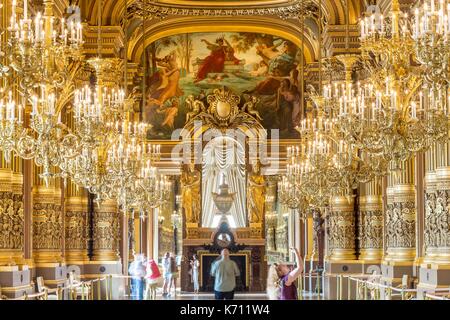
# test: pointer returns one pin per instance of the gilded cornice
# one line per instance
(281, 9)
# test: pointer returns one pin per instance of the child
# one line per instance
(152, 277)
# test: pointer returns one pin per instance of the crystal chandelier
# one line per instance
(38, 51)
(40, 55)
(431, 32)
(387, 116)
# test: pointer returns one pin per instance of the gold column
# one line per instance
(400, 224)
(106, 233)
(435, 269)
(47, 222)
(11, 213)
(340, 243)
(341, 224)
(370, 231)
(437, 220)
(48, 230)
(76, 225)
(401, 220)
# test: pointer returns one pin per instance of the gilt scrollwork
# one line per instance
(401, 225)
(437, 227)
(106, 231)
(11, 221)
(47, 226)
(371, 229)
(76, 230)
(341, 230)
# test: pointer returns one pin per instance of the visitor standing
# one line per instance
(195, 265)
(173, 267)
(224, 272)
(281, 279)
(166, 273)
(137, 273)
(152, 277)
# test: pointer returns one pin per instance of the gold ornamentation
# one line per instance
(371, 229)
(256, 195)
(11, 221)
(106, 231)
(223, 111)
(76, 230)
(190, 181)
(437, 227)
(341, 233)
(47, 226)
(155, 10)
(401, 225)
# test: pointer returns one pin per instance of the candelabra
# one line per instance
(37, 51)
(431, 32)
(387, 116)
(11, 126)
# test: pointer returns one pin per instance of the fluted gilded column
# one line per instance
(435, 269)
(76, 226)
(370, 229)
(400, 224)
(47, 230)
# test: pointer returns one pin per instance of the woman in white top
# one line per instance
(195, 265)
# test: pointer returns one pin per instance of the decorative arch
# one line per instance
(265, 25)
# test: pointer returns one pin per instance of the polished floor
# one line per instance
(210, 296)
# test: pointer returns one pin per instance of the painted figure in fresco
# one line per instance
(284, 106)
(221, 51)
(170, 113)
(260, 69)
(281, 63)
(163, 85)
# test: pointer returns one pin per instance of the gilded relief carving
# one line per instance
(401, 225)
(341, 230)
(11, 221)
(76, 230)
(437, 226)
(47, 226)
(371, 229)
(106, 231)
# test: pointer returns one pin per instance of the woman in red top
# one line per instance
(152, 277)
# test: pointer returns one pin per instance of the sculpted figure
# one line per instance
(256, 194)
(191, 194)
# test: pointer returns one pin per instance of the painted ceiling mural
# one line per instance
(255, 64)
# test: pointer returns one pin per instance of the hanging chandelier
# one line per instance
(40, 55)
(387, 115)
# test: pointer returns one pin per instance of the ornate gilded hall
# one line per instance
(208, 149)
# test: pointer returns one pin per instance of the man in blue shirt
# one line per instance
(224, 272)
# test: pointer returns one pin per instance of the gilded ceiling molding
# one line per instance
(267, 25)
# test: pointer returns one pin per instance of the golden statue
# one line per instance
(190, 180)
(256, 195)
